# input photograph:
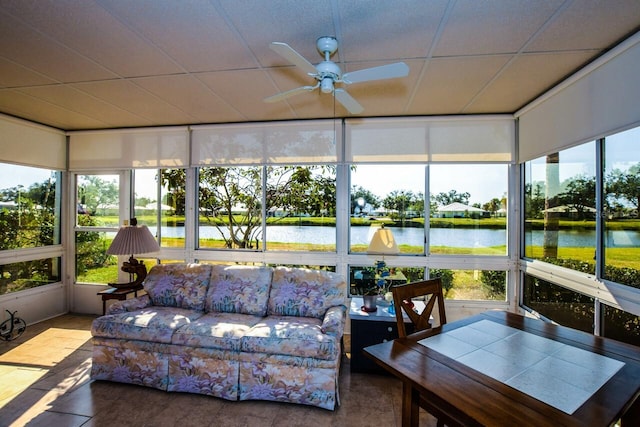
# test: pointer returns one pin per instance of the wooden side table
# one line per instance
(369, 329)
(119, 294)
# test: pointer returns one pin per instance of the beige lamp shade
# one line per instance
(133, 239)
(383, 242)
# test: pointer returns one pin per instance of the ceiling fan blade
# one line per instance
(390, 71)
(288, 53)
(284, 95)
(348, 101)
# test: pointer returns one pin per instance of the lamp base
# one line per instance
(135, 267)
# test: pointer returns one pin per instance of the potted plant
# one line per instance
(373, 286)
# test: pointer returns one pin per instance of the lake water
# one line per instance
(451, 237)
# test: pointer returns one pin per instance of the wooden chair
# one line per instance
(431, 290)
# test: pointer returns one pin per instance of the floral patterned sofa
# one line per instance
(235, 332)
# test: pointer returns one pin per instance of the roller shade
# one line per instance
(600, 100)
(133, 148)
(433, 140)
(299, 142)
(30, 144)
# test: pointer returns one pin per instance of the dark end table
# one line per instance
(119, 294)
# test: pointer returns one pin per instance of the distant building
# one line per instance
(460, 210)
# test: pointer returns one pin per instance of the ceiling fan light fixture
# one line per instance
(326, 85)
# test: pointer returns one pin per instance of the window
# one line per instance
(159, 196)
(392, 195)
(301, 208)
(621, 207)
(18, 276)
(378, 278)
(472, 284)
(230, 207)
(560, 208)
(29, 207)
(29, 219)
(97, 222)
(468, 209)
(558, 303)
(621, 326)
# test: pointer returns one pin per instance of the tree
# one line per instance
(302, 190)
(534, 199)
(580, 194)
(367, 196)
(626, 185)
(94, 191)
(175, 180)
(452, 196)
(493, 205)
(399, 202)
(234, 196)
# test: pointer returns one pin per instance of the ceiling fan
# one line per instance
(328, 73)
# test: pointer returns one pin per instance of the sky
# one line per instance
(482, 182)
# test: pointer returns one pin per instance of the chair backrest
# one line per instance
(431, 290)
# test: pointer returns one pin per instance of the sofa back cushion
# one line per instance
(239, 289)
(306, 293)
(178, 285)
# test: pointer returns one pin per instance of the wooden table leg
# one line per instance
(410, 406)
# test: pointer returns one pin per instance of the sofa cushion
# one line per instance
(239, 289)
(290, 336)
(306, 293)
(178, 285)
(153, 324)
(215, 330)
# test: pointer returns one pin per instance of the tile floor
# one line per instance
(44, 381)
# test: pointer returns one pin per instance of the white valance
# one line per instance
(129, 148)
(430, 139)
(30, 144)
(598, 101)
(297, 142)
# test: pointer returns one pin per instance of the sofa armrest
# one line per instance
(334, 321)
(132, 304)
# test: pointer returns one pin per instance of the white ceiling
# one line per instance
(94, 64)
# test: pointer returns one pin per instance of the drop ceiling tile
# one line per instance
(13, 75)
(41, 54)
(193, 33)
(37, 110)
(487, 27)
(295, 22)
(524, 79)
(243, 90)
(446, 86)
(374, 30)
(129, 97)
(122, 51)
(82, 102)
(570, 31)
(384, 97)
(191, 96)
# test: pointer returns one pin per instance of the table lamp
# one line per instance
(133, 239)
(383, 243)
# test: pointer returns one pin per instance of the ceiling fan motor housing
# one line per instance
(327, 44)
